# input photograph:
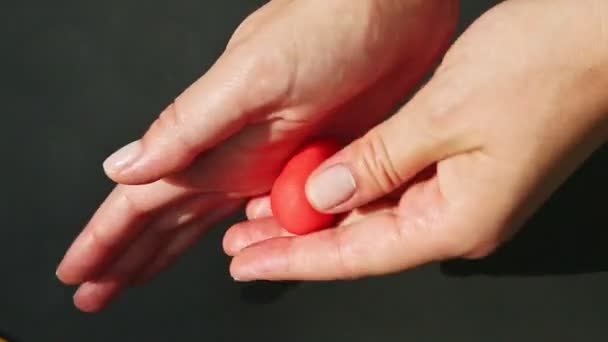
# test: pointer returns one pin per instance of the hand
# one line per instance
(294, 70)
(518, 103)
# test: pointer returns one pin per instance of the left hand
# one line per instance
(520, 101)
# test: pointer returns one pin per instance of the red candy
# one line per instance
(288, 198)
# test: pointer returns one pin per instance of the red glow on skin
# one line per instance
(288, 199)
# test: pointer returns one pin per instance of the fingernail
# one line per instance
(242, 277)
(239, 280)
(263, 210)
(331, 187)
(122, 158)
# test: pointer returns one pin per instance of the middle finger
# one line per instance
(117, 222)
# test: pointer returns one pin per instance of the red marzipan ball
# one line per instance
(288, 197)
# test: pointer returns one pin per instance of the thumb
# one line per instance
(388, 156)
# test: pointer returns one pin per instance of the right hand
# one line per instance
(292, 71)
(510, 113)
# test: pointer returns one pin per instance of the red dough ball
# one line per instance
(288, 197)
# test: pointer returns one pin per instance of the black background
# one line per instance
(81, 78)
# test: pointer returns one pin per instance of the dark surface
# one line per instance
(80, 78)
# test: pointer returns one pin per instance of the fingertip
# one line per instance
(239, 237)
(140, 174)
(258, 208)
(245, 234)
(65, 277)
(263, 261)
(85, 305)
(135, 164)
(92, 297)
(71, 270)
(122, 159)
(229, 241)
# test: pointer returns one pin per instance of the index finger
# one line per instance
(118, 221)
(376, 245)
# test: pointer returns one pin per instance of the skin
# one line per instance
(508, 115)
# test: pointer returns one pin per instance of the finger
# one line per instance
(158, 232)
(96, 294)
(238, 86)
(244, 234)
(119, 219)
(379, 240)
(377, 245)
(258, 208)
(173, 141)
(90, 296)
(182, 240)
(213, 108)
(390, 155)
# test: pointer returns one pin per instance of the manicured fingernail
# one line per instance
(262, 210)
(122, 158)
(239, 280)
(242, 277)
(331, 187)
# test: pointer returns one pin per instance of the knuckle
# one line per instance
(471, 241)
(473, 248)
(245, 28)
(450, 249)
(456, 245)
(480, 244)
(444, 105)
(269, 77)
(290, 250)
(481, 250)
(130, 204)
(345, 256)
(253, 22)
(100, 239)
(172, 122)
(443, 118)
(377, 164)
